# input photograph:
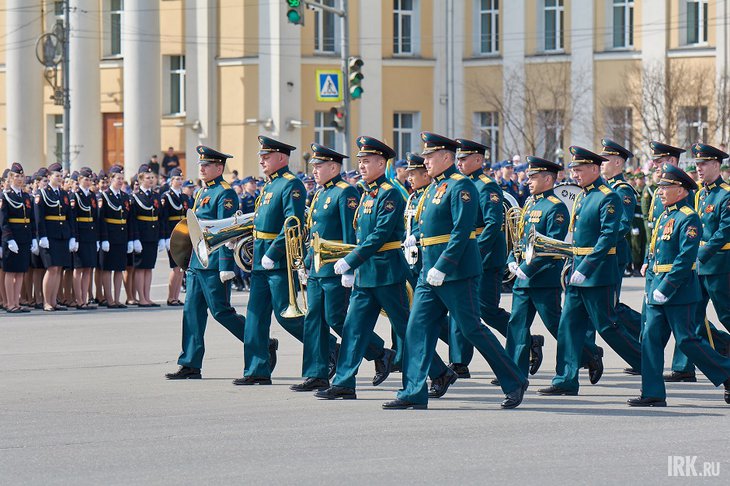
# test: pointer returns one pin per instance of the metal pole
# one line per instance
(345, 47)
(66, 97)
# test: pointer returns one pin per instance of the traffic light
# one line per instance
(355, 77)
(295, 12)
(338, 118)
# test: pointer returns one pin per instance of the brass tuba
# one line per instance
(294, 262)
(207, 236)
(541, 245)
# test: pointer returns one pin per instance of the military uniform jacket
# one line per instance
(672, 255)
(447, 215)
(17, 218)
(216, 200)
(412, 205)
(379, 227)
(86, 215)
(627, 194)
(490, 221)
(114, 217)
(551, 218)
(248, 203)
(331, 216)
(54, 215)
(144, 219)
(595, 220)
(282, 196)
(713, 207)
(174, 206)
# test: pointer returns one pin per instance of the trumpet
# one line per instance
(294, 261)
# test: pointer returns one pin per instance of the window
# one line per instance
(404, 27)
(58, 137)
(550, 133)
(405, 133)
(696, 21)
(487, 131)
(325, 29)
(693, 124)
(623, 23)
(619, 126)
(488, 26)
(553, 15)
(176, 80)
(113, 21)
(325, 132)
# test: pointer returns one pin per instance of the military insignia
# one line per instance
(362, 140)
(494, 197)
(611, 209)
(101, 203)
(93, 203)
(627, 200)
(65, 200)
(710, 208)
(328, 200)
(37, 198)
(691, 232)
(560, 218)
(374, 192)
(228, 203)
(440, 190)
(205, 201)
(668, 229)
(185, 205)
(155, 203)
(73, 203)
(126, 205)
(352, 202)
(535, 216)
(368, 206)
(465, 196)
(163, 200)
(296, 194)
(389, 206)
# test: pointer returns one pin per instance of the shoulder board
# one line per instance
(554, 200)
(289, 175)
(225, 185)
(604, 189)
(485, 178)
(386, 186)
(621, 183)
(342, 185)
(456, 177)
(687, 210)
(725, 186)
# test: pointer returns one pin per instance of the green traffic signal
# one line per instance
(356, 92)
(295, 12)
(294, 16)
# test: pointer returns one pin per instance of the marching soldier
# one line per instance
(283, 196)
(419, 180)
(147, 233)
(56, 233)
(674, 291)
(208, 286)
(86, 215)
(638, 228)
(330, 217)
(376, 269)
(174, 207)
(18, 237)
(591, 293)
(449, 281)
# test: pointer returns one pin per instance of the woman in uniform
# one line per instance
(174, 207)
(87, 229)
(114, 209)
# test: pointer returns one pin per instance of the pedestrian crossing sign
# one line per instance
(329, 85)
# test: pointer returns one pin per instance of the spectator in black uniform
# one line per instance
(174, 208)
(86, 214)
(114, 234)
(170, 161)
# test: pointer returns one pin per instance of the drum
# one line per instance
(568, 192)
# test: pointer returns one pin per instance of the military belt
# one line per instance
(176, 218)
(479, 231)
(19, 220)
(392, 245)
(147, 218)
(726, 246)
(437, 240)
(668, 267)
(264, 236)
(55, 218)
(85, 220)
(115, 221)
(587, 250)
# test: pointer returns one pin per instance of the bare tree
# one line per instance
(722, 103)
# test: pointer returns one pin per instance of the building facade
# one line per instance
(525, 76)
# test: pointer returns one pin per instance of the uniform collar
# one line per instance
(616, 178)
(672, 208)
(542, 195)
(420, 191)
(279, 172)
(593, 185)
(714, 185)
(214, 182)
(337, 178)
(445, 174)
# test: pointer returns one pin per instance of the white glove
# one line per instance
(167, 244)
(231, 245)
(577, 278)
(105, 246)
(130, 247)
(635, 231)
(12, 246)
(520, 274)
(161, 245)
(348, 280)
(341, 266)
(410, 241)
(34, 247)
(76, 247)
(43, 243)
(303, 277)
(267, 263)
(97, 247)
(1, 251)
(512, 267)
(435, 277)
(137, 246)
(226, 276)
(659, 297)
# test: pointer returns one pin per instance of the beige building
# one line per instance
(525, 76)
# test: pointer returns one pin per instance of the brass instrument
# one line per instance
(411, 253)
(541, 245)
(294, 261)
(207, 236)
(513, 231)
(510, 204)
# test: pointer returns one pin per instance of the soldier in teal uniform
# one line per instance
(380, 270)
(674, 292)
(282, 196)
(591, 293)
(449, 281)
(208, 287)
(419, 180)
(492, 244)
(330, 217)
